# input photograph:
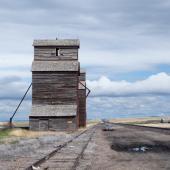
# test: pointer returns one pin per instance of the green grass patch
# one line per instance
(4, 133)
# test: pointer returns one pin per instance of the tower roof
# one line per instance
(57, 43)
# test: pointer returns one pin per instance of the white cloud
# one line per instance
(15, 60)
(12, 90)
(7, 108)
(155, 84)
(25, 73)
(13, 87)
(127, 60)
(140, 106)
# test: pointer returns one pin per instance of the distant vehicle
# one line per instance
(105, 121)
(108, 127)
(165, 120)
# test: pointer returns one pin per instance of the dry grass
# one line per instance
(19, 132)
(10, 136)
(21, 124)
(26, 133)
(15, 124)
(149, 121)
(161, 125)
(146, 120)
(92, 122)
(4, 124)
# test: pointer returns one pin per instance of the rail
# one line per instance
(48, 156)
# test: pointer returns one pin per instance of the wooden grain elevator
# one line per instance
(58, 86)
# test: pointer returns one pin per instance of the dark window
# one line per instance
(57, 51)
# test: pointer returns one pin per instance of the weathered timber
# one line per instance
(82, 99)
(49, 54)
(82, 108)
(55, 86)
(82, 76)
(57, 43)
(55, 66)
(53, 110)
(53, 123)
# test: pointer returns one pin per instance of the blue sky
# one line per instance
(125, 49)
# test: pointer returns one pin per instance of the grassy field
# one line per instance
(148, 121)
(145, 120)
(15, 124)
(92, 122)
(4, 133)
(161, 125)
(16, 133)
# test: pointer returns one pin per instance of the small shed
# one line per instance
(55, 85)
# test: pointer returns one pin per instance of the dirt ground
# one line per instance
(21, 154)
(121, 149)
(106, 157)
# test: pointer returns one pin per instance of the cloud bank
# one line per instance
(13, 87)
(136, 106)
(127, 35)
(108, 98)
(158, 84)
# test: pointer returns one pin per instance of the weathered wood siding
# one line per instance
(54, 88)
(82, 100)
(34, 124)
(57, 43)
(82, 107)
(53, 123)
(43, 124)
(55, 84)
(82, 76)
(49, 54)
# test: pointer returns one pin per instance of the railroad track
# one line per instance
(140, 127)
(67, 155)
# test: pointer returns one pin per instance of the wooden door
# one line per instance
(43, 124)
